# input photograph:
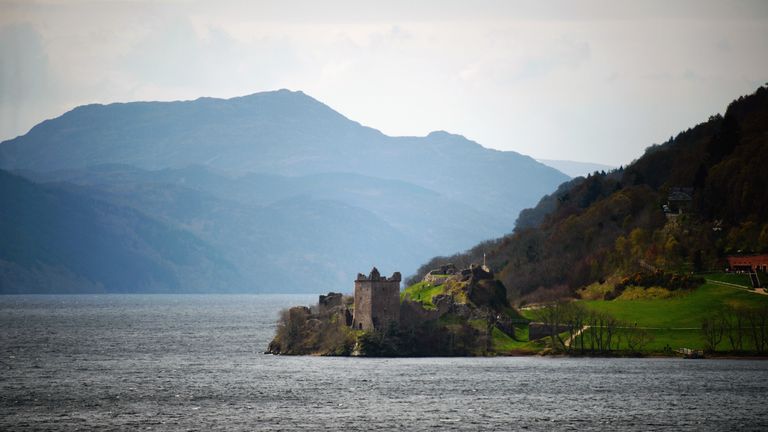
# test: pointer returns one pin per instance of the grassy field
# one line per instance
(673, 322)
(734, 278)
(503, 344)
(676, 322)
(422, 292)
(659, 340)
(686, 311)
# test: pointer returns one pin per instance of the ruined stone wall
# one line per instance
(413, 314)
(377, 301)
(537, 330)
(362, 319)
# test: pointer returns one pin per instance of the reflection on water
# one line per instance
(195, 362)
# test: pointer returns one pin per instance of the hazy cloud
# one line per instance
(24, 75)
(594, 80)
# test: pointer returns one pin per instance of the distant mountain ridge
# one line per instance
(294, 195)
(574, 168)
(54, 240)
(281, 132)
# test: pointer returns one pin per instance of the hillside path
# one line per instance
(571, 339)
(760, 291)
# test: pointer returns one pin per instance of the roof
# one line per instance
(679, 196)
(747, 259)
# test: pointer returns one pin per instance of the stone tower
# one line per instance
(377, 301)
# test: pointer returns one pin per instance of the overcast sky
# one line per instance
(587, 81)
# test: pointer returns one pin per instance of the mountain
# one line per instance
(281, 132)
(574, 168)
(58, 241)
(680, 208)
(292, 194)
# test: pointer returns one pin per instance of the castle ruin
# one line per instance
(377, 301)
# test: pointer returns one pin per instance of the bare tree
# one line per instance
(577, 322)
(712, 329)
(735, 327)
(637, 338)
(554, 316)
(586, 330)
(757, 321)
(611, 326)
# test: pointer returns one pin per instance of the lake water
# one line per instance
(195, 362)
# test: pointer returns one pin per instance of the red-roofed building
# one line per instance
(748, 262)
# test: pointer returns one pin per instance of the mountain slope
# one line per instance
(417, 212)
(616, 223)
(53, 241)
(292, 194)
(269, 225)
(281, 132)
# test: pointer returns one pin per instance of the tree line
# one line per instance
(577, 330)
(589, 332)
(608, 223)
(740, 328)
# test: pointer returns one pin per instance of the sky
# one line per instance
(594, 81)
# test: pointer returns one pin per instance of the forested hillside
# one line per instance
(639, 217)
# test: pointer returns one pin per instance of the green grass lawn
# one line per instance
(422, 292)
(676, 339)
(659, 340)
(679, 338)
(734, 278)
(686, 311)
(502, 343)
(677, 321)
(528, 314)
(673, 322)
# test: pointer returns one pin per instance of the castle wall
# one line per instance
(377, 302)
(413, 314)
(362, 318)
(537, 330)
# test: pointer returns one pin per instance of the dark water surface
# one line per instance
(195, 363)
